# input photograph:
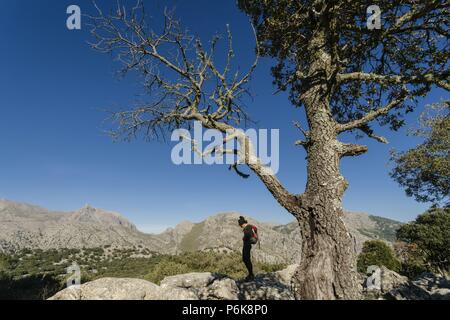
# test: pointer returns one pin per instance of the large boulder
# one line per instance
(265, 287)
(204, 286)
(194, 280)
(391, 279)
(176, 294)
(269, 286)
(285, 275)
(221, 289)
(111, 289)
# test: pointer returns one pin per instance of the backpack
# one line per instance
(254, 239)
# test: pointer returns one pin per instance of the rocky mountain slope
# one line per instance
(277, 242)
(28, 226)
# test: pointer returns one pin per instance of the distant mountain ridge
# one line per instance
(29, 226)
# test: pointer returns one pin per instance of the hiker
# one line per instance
(250, 237)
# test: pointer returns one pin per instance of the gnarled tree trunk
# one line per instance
(328, 267)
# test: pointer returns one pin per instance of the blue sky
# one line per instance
(54, 153)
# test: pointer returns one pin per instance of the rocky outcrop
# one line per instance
(111, 289)
(391, 280)
(427, 286)
(191, 286)
(267, 286)
(201, 286)
(394, 286)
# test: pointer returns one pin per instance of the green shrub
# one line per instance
(377, 252)
(412, 260)
(4, 262)
(430, 233)
(33, 287)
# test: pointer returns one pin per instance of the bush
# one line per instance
(33, 287)
(412, 260)
(4, 262)
(430, 233)
(377, 252)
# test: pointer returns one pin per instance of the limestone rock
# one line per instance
(394, 286)
(265, 287)
(189, 280)
(203, 286)
(427, 286)
(391, 279)
(111, 289)
(191, 286)
(171, 293)
(285, 275)
(220, 289)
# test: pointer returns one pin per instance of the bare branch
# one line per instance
(352, 150)
(185, 84)
(240, 173)
(371, 134)
(299, 127)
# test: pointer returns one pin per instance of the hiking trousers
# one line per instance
(246, 258)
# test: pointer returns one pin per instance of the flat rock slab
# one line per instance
(111, 289)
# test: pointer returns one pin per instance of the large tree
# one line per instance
(343, 74)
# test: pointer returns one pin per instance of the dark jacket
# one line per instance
(248, 233)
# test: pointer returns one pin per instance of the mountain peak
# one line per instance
(89, 214)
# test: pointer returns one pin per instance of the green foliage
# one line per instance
(430, 232)
(31, 287)
(376, 252)
(424, 171)
(412, 260)
(4, 262)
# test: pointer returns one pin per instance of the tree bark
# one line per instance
(327, 268)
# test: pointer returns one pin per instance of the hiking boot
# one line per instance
(249, 278)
